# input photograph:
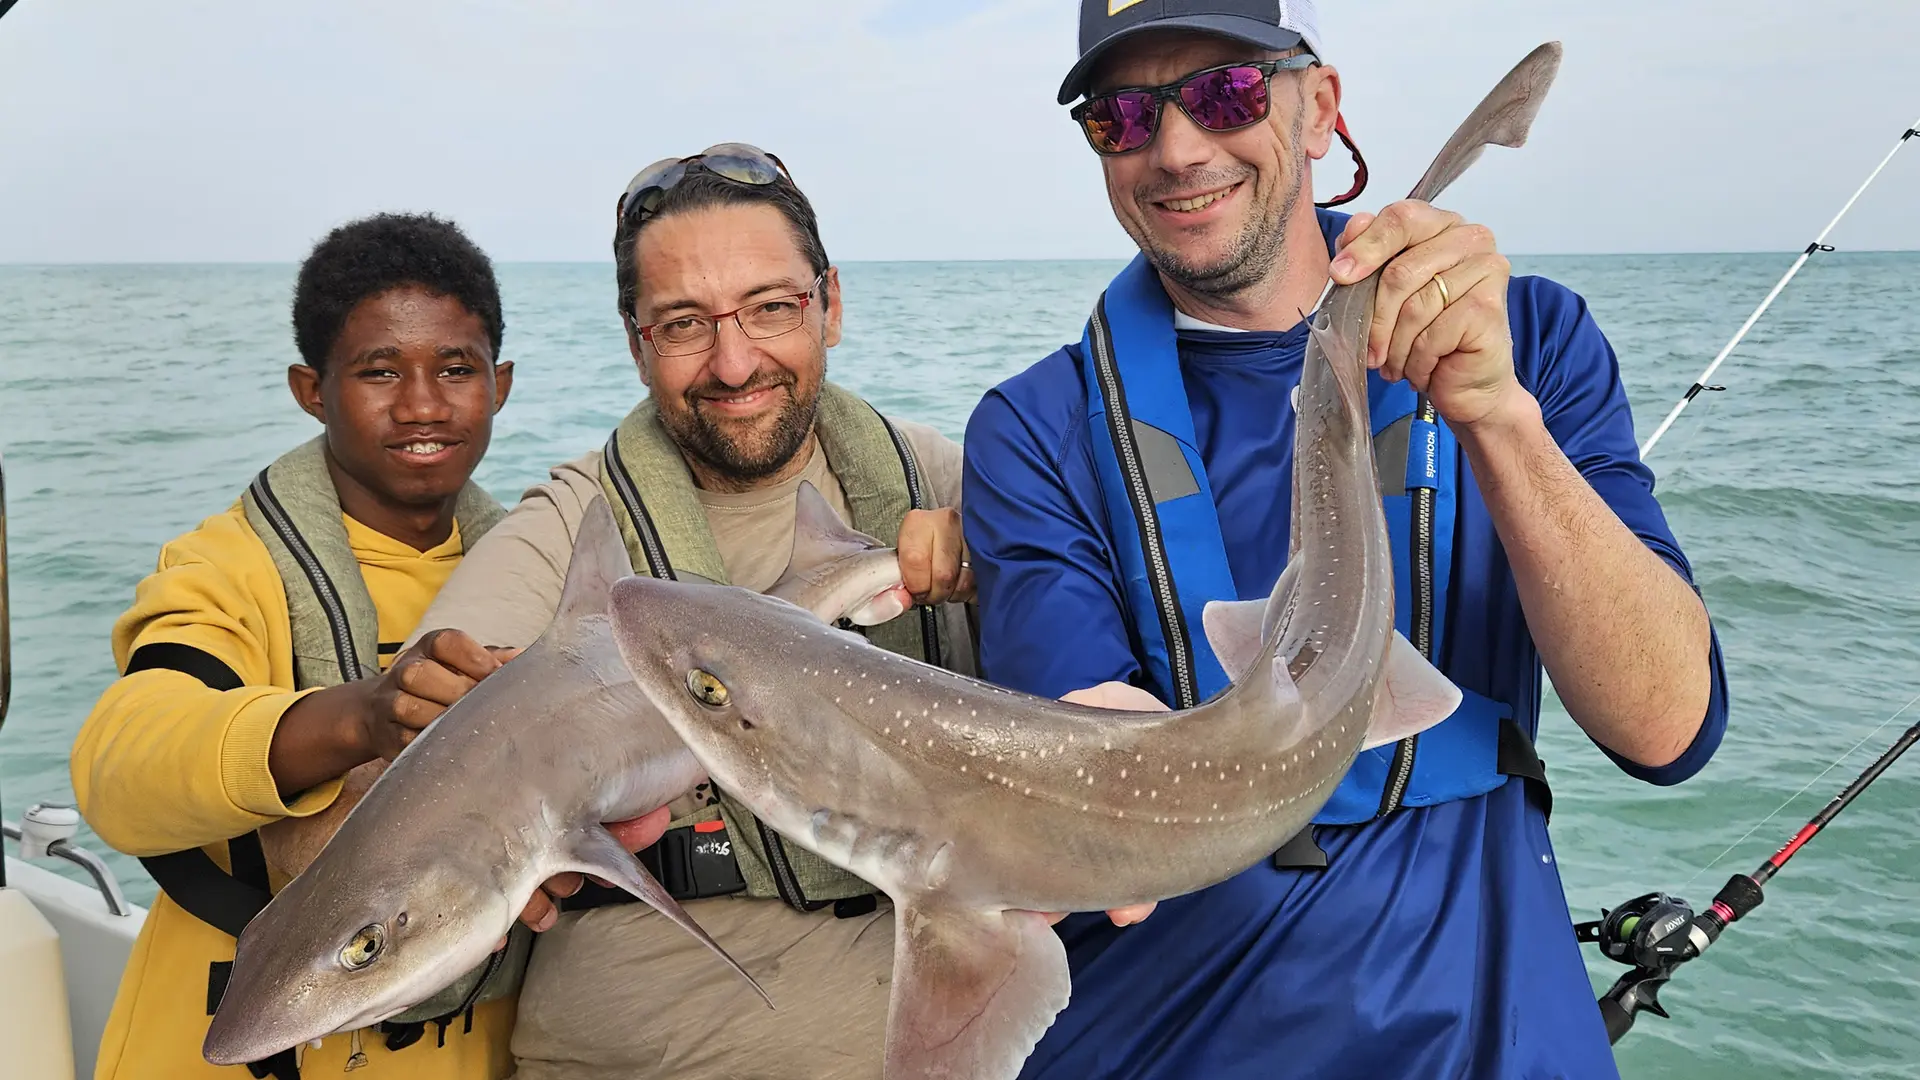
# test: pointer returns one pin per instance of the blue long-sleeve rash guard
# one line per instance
(1438, 942)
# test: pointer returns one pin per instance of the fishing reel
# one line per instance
(1652, 934)
(1648, 931)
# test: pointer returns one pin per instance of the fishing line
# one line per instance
(1819, 245)
(1790, 800)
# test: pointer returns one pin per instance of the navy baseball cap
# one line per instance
(1266, 24)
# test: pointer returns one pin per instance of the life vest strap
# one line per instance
(1515, 757)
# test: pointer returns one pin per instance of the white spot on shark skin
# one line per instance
(887, 731)
(1136, 793)
(1123, 774)
(1139, 757)
(1079, 773)
(1083, 808)
(1154, 794)
(869, 701)
(1024, 791)
(963, 768)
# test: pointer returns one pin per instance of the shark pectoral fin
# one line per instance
(1237, 628)
(1414, 696)
(597, 852)
(1233, 629)
(973, 991)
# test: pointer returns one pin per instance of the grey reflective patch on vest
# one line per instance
(1390, 452)
(1168, 476)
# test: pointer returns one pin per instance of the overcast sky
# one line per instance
(223, 130)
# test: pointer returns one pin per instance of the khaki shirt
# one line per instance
(618, 991)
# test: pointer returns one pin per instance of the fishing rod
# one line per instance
(1656, 933)
(1819, 245)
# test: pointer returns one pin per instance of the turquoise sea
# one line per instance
(135, 401)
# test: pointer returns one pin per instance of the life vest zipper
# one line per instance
(323, 588)
(783, 876)
(1172, 628)
(1421, 534)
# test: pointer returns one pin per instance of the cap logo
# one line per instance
(1115, 7)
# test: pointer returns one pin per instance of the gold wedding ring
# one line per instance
(1442, 282)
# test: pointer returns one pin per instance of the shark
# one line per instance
(974, 807)
(505, 789)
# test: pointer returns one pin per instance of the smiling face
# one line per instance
(741, 410)
(408, 394)
(1212, 211)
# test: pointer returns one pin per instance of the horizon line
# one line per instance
(131, 263)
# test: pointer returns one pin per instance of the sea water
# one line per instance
(136, 401)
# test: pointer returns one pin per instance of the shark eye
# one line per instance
(364, 947)
(707, 690)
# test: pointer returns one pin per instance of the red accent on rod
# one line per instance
(1805, 834)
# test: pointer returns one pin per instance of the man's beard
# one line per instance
(764, 450)
(1259, 250)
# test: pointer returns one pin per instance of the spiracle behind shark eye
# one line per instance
(364, 947)
(707, 690)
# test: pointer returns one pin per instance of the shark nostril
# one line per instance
(746, 724)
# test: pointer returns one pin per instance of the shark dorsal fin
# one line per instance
(599, 559)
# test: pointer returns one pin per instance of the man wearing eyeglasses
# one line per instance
(1419, 927)
(730, 306)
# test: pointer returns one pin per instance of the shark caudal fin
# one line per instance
(824, 547)
(1503, 118)
(599, 559)
(595, 851)
(819, 536)
(973, 991)
(1414, 696)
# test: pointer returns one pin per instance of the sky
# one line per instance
(232, 130)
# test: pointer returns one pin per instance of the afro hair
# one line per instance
(365, 258)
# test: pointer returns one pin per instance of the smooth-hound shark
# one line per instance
(505, 789)
(974, 807)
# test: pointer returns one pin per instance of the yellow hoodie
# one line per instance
(165, 762)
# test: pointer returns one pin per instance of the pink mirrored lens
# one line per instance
(1220, 100)
(1120, 122)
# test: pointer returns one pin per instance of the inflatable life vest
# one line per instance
(1172, 561)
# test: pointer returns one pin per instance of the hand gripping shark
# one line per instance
(505, 789)
(973, 807)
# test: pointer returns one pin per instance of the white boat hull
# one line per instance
(93, 949)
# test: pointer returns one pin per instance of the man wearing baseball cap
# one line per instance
(1418, 928)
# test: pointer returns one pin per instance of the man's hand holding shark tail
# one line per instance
(1610, 617)
(933, 567)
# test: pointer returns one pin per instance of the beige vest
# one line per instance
(650, 488)
(295, 510)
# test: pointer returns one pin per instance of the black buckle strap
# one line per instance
(1513, 756)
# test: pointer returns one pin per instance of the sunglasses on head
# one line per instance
(740, 162)
(1224, 98)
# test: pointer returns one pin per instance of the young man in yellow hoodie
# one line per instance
(260, 662)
